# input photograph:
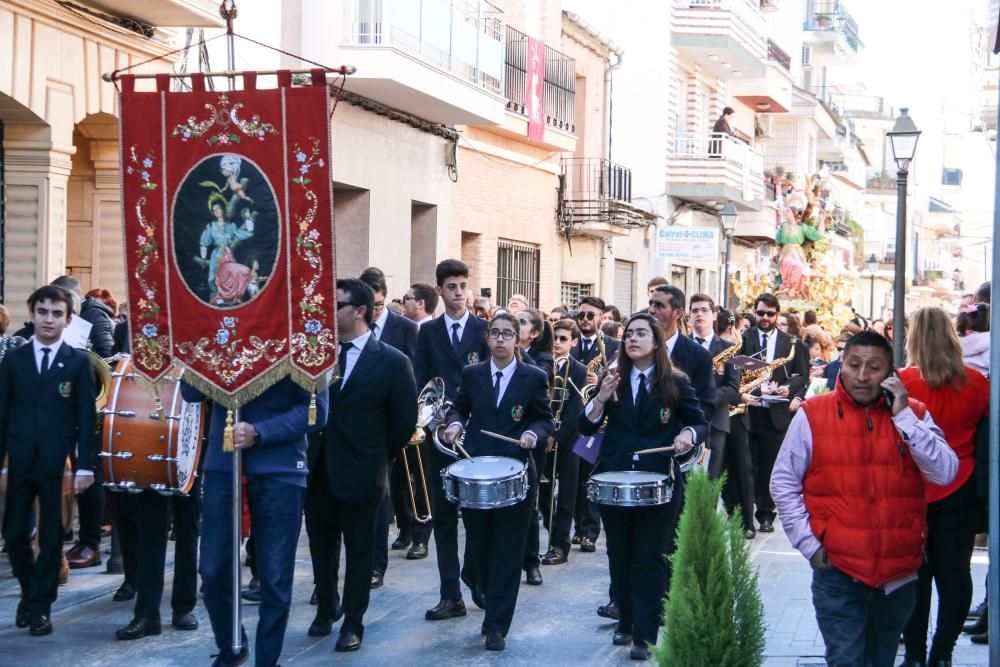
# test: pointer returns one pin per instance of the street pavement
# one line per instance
(555, 624)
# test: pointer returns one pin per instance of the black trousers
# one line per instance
(588, 516)
(38, 577)
(328, 521)
(951, 534)
(143, 526)
(446, 529)
(567, 472)
(90, 507)
(380, 559)
(765, 441)
(497, 538)
(717, 456)
(533, 544)
(739, 491)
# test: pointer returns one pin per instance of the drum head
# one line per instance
(629, 477)
(485, 467)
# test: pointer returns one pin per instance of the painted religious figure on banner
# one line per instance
(225, 261)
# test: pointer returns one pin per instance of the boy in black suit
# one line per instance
(509, 398)
(46, 413)
(373, 410)
(445, 346)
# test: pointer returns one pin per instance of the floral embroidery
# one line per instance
(224, 354)
(229, 122)
(148, 344)
(315, 341)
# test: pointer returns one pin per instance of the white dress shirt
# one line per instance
(449, 324)
(672, 341)
(505, 375)
(636, 373)
(378, 326)
(708, 340)
(353, 354)
(424, 321)
(39, 355)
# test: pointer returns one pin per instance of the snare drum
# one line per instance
(630, 488)
(139, 450)
(486, 482)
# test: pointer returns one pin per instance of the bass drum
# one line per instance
(140, 449)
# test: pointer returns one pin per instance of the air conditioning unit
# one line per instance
(763, 126)
(807, 56)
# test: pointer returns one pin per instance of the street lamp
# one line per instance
(872, 263)
(728, 216)
(903, 140)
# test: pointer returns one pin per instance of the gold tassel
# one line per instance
(227, 433)
(159, 405)
(312, 409)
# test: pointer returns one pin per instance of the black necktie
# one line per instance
(45, 360)
(342, 360)
(454, 335)
(700, 341)
(374, 329)
(763, 345)
(496, 388)
(584, 348)
(642, 394)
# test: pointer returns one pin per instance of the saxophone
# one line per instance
(753, 379)
(719, 360)
(598, 366)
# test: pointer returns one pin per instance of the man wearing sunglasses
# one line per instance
(769, 421)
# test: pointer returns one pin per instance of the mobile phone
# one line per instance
(889, 397)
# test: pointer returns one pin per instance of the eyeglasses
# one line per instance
(407, 297)
(562, 339)
(587, 315)
(704, 310)
(341, 304)
(506, 334)
(379, 304)
(638, 334)
(767, 313)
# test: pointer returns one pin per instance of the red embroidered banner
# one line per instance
(534, 90)
(229, 242)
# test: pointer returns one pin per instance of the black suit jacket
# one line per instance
(437, 358)
(610, 349)
(540, 359)
(47, 418)
(401, 333)
(524, 406)
(569, 430)
(696, 362)
(630, 429)
(794, 375)
(727, 385)
(372, 417)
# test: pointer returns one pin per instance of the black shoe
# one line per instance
(978, 626)
(980, 639)
(907, 662)
(227, 661)
(978, 610)
(576, 539)
(587, 545)
(320, 627)
(185, 621)
(377, 580)
(446, 609)
(417, 551)
(767, 526)
(554, 556)
(22, 619)
(494, 641)
(348, 641)
(40, 626)
(639, 653)
(313, 599)
(532, 576)
(622, 638)
(138, 628)
(609, 610)
(124, 593)
(749, 533)
(401, 543)
(68, 535)
(252, 592)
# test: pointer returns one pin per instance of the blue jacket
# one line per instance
(281, 417)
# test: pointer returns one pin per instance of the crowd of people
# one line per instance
(871, 470)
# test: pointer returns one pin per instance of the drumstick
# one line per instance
(656, 450)
(501, 437)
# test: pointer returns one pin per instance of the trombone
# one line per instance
(420, 479)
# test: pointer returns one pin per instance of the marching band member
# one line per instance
(445, 346)
(654, 406)
(47, 398)
(372, 412)
(565, 335)
(510, 398)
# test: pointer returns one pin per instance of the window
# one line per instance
(571, 293)
(951, 176)
(625, 286)
(517, 272)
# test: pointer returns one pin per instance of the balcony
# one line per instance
(165, 13)
(726, 37)
(440, 60)
(595, 199)
(559, 97)
(772, 92)
(757, 226)
(714, 169)
(831, 31)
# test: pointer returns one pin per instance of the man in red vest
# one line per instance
(849, 488)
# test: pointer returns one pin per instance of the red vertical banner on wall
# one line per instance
(534, 90)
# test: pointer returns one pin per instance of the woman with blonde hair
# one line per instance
(957, 398)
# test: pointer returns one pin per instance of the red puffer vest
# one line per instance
(864, 492)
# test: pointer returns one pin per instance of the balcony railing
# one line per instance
(719, 160)
(596, 190)
(559, 98)
(776, 54)
(738, 19)
(831, 15)
(463, 37)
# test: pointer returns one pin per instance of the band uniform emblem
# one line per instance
(472, 358)
(65, 389)
(664, 415)
(517, 413)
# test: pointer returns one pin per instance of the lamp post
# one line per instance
(728, 216)
(903, 140)
(872, 263)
